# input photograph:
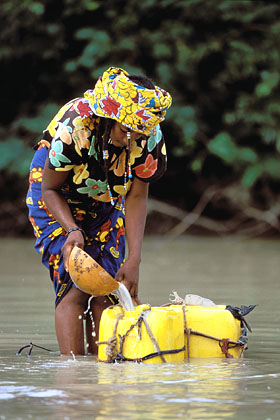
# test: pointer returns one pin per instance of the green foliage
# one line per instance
(219, 59)
(15, 156)
(35, 124)
(225, 148)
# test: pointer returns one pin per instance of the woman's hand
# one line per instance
(75, 238)
(129, 275)
(135, 216)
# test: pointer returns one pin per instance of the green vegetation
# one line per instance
(220, 60)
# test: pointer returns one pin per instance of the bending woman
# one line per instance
(89, 183)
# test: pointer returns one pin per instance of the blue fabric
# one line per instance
(102, 222)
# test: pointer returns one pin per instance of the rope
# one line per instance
(121, 358)
(187, 331)
(224, 343)
(154, 341)
(111, 349)
(137, 323)
(235, 343)
(31, 346)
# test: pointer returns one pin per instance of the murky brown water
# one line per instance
(48, 386)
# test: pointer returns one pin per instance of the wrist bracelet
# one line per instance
(76, 228)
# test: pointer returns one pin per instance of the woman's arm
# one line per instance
(58, 207)
(135, 219)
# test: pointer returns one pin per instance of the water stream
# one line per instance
(124, 297)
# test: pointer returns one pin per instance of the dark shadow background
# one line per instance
(220, 60)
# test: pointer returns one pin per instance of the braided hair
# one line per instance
(103, 130)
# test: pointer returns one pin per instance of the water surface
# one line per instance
(48, 386)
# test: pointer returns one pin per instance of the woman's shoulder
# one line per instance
(75, 115)
(149, 157)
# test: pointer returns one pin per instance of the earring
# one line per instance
(129, 150)
(128, 162)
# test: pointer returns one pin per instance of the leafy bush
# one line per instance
(219, 59)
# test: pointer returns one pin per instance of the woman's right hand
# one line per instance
(75, 238)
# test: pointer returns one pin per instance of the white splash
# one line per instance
(89, 312)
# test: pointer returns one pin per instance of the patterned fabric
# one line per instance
(136, 107)
(69, 141)
(102, 222)
(72, 136)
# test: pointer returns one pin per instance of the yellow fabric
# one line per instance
(116, 96)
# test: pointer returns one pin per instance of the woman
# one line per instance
(91, 171)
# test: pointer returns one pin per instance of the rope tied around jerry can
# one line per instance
(187, 330)
(225, 343)
(111, 349)
(115, 356)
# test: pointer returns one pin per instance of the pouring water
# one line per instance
(124, 297)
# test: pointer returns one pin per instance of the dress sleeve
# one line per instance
(152, 163)
(69, 139)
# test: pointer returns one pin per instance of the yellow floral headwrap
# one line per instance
(116, 96)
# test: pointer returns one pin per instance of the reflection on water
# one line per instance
(50, 386)
(191, 389)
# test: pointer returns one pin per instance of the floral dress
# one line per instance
(69, 142)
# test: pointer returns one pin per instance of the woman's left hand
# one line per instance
(129, 275)
(135, 216)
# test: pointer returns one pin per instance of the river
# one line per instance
(233, 271)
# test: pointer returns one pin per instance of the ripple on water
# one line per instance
(8, 392)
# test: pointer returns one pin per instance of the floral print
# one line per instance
(72, 148)
(119, 164)
(80, 138)
(138, 108)
(63, 132)
(154, 139)
(110, 106)
(93, 187)
(69, 142)
(81, 173)
(120, 190)
(148, 168)
(53, 124)
(102, 222)
(83, 108)
(55, 155)
(35, 175)
(136, 152)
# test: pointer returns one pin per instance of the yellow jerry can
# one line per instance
(147, 334)
(168, 334)
(210, 332)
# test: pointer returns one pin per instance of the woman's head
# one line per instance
(118, 131)
(131, 100)
(119, 135)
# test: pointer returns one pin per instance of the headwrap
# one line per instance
(136, 107)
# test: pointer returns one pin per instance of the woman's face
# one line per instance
(119, 135)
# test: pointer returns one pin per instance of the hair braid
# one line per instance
(103, 133)
(102, 137)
